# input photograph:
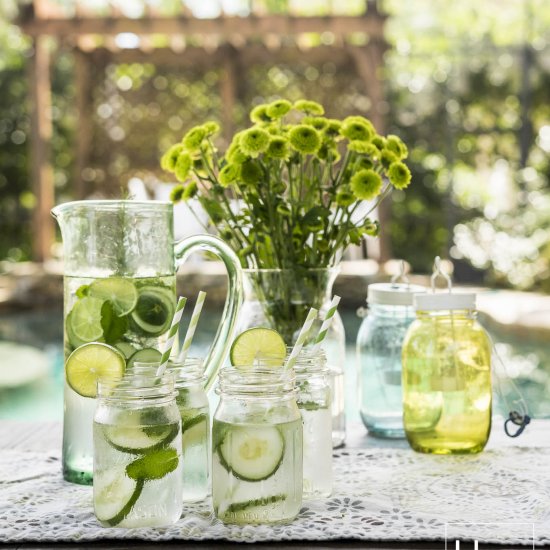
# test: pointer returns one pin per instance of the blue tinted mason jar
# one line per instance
(379, 342)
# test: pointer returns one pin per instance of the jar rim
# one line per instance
(137, 387)
(256, 380)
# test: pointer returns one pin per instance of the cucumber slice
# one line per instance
(194, 430)
(115, 495)
(126, 349)
(139, 439)
(146, 355)
(236, 507)
(252, 453)
(154, 310)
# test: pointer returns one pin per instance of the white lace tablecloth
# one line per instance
(380, 494)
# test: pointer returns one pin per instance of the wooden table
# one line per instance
(44, 436)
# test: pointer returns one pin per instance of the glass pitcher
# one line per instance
(120, 263)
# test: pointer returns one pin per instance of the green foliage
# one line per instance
(313, 197)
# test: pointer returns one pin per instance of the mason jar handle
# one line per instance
(228, 323)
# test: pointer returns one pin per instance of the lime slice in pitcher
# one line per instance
(258, 344)
(120, 292)
(154, 310)
(90, 362)
(84, 320)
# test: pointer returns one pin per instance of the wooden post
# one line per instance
(84, 133)
(41, 168)
(369, 62)
(228, 90)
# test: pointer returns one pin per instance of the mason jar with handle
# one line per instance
(120, 263)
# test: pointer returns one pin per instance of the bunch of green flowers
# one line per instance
(300, 178)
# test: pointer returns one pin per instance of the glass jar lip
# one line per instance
(137, 387)
(186, 373)
(256, 380)
(110, 204)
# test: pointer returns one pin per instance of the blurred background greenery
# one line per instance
(467, 87)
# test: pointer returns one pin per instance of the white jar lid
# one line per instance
(393, 294)
(444, 300)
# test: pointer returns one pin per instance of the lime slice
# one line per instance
(154, 310)
(90, 362)
(84, 320)
(120, 292)
(258, 343)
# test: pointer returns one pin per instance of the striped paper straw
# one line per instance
(171, 335)
(192, 327)
(301, 338)
(326, 324)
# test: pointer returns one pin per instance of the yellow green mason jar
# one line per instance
(446, 376)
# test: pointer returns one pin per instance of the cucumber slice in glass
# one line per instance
(146, 355)
(252, 453)
(194, 430)
(126, 349)
(138, 439)
(154, 465)
(115, 495)
(154, 310)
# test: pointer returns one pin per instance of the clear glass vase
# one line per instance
(280, 299)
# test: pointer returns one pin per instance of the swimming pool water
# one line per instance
(527, 363)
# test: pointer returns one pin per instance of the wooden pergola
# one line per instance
(228, 42)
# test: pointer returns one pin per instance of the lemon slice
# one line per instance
(120, 292)
(90, 362)
(258, 344)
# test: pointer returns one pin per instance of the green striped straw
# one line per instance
(301, 338)
(171, 335)
(326, 324)
(192, 327)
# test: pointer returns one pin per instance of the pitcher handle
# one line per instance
(224, 336)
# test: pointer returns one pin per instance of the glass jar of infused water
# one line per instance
(379, 341)
(446, 376)
(314, 401)
(194, 410)
(137, 452)
(257, 447)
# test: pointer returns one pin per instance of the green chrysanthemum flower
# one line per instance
(318, 122)
(364, 148)
(278, 109)
(387, 158)
(177, 193)
(169, 159)
(254, 141)
(259, 114)
(234, 153)
(397, 147)
(183, 165)
(278, 148)
(193, 138)
(344, 196)
(363, 163)
(309, 107)
(371, 228)
(399, 175)
(304, 139)
(328, 150)
(366, 184)
(379, 142)
(251, 172)
(211, 128)
(357, 129)
(191, 189)
(229, 174)
(333, 127)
